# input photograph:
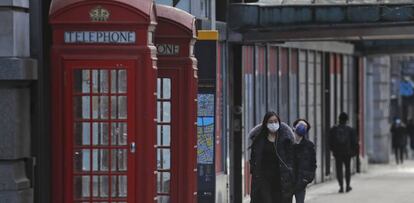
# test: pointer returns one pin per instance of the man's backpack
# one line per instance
(341, 138)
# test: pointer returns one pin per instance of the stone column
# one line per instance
(17, 71)
(377, 109)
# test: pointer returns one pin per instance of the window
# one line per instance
(100, 133)
(184, 5)
(165, 2)
(163, 139)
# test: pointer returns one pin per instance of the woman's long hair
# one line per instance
(266, 117)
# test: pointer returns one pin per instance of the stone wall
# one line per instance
(377, 111)
(17, 72)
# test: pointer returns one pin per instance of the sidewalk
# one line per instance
(387, 183)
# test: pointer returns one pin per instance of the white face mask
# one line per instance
(273, 127)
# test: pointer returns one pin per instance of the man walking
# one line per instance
(410, 134)
(343, 142)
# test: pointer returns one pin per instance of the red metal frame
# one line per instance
(72, 15)
(178, 28)
(272, 61)
(183, 134)
(248, 69)
(144, 173)
(175, 132)
(284, 62)
(70, 66)
(183, 130)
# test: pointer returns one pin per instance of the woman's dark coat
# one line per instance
(305, 163)
(285, 151)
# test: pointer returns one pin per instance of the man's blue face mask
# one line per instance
(301, 130)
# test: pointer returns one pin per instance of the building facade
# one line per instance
(241, 74)
(18, 74)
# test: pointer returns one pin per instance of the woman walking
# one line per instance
(399, 139)
(271, 161)
(304, 159)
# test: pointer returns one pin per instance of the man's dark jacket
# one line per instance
(351, 148)
(305, 163)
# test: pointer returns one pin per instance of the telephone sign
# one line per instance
(168, 49)
(104, 37)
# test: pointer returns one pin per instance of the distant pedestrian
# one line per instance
(343, 142)
(271, 161)
(305, 159)
(399, 139)
(410, 133)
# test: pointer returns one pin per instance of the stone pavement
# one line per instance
(388, 183)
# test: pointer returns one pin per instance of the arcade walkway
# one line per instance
(381, 184)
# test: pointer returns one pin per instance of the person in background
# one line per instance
(304, 159)
(410, 133)
(271, 161)
(398, 140)
(343, 142)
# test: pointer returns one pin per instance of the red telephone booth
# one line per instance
(177, 106)
(103, 95)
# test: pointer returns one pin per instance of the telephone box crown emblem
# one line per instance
(99, 14)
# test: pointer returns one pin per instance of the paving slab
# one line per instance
(387, 183)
